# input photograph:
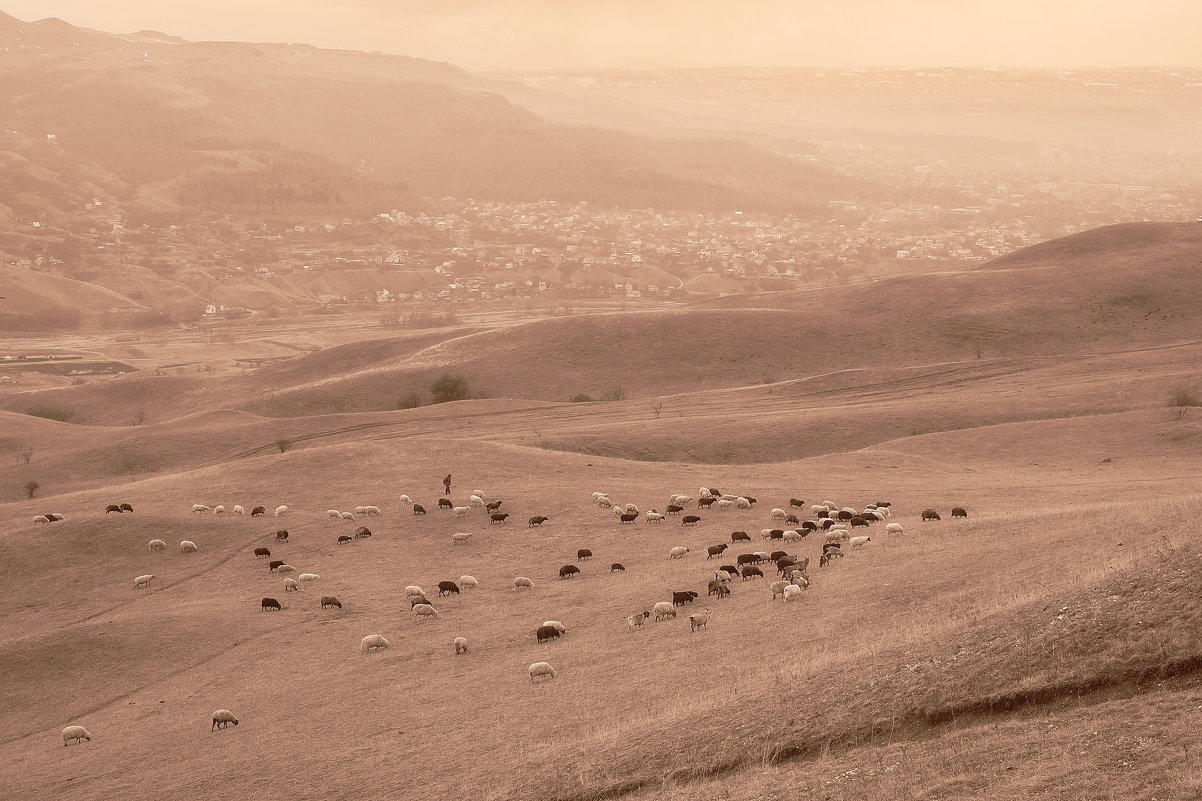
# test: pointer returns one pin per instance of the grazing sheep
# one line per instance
(778, 588)
(285, 569)
(280, 511)
(238, 510)
(143, 581)
(567, 571)
(498, 517)
(630, 507)
(792, 593)
(222, 718)
(262, 552)
(729, 570)
(405, 499)
(448, 588)
(678, 552)
(750, 572)
(187, 546)
(541, 669)
(654, 517)
(372, 642)
(461, 511)
(125, 507)
(636, 620)
(443, 503)
(740, 536)
(929, 514)
(199, 507)
(275, 565)
(690, 520)
(522, 582)
(599, 495)
(345, 539)
(41, 519)
(493, 506)
(475, 500)
(219, 509)
(959, 511)
(747, 559)
(699, 620)
(778, 513)
(76, 733)
(415, 600)
(584, 553)
(413, 590)
(859, 521)
(859, 542)
(418, 509)
(627, 517)
(682, 598)
(460, 538)
(715, 550)
(330, 600)
(281, 536)
(333, 514)
(544, 633)
(270, 604)
(715, 586)
(743, 503)
(291, 585)
(894, 528)
(664, 609)
(725, 504)
(308, 578)
(617, 567)
(808, 525)
(468, 582)
(674, 509)
(604, 501)
(423, 611)
(348, 516)
(460, 645)
(258, 511)
(157, 545)
(792, 535)
(362, 533)
(537, 521)
(112, 507)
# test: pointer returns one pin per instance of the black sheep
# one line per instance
(262, 552)
(740, 536)
(443, 503)
(617, 567)
(277, 563)
(715, 550)
(673, 509)
(690, 520)
(584, 553)
(418, 509)
(537, 521)
(544, 633)
(363, 532)
(271, 604)
(112, 507)
(796, 502)
(493, 506)
(125, 507)
(258, 511)
(628, 517)
(448, 588)
(281, 536)
(498, 517)
(959, 511)
(344, 539)
(567, 571)
(750, 572)
(682, 598)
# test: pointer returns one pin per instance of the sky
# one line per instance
(598, 34)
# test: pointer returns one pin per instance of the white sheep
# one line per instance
(157, 545)
(859, 542)
(238, 510)
(475, 500)
(461, 511)
(778, 513)
(830, 506)
(466, 582)
(405, 499)
(291, 585)
(654, 517)
(460, 645)
(280, 511)
(522, 581)
(894, 528)
(778, 587)
(460, 538)
(792, 535)
(219, 509)
(187, 546)
(222, 718)
(372, 511)
(599, 495)
(41, 519)
(143, 581)
(360, 510)
(817, 508)
(308, 577)
(664, 609)
(285, 569)
(76, 733)
(479, 493)
(423, 611)
(632, 509)
(792, 593)
(636, 621)
(333, 514)
(683, 500)
(742, 503)
(348, 516)
(704, 492)
(619, 511)
(541, 669)
(678, 552)
(766, 533)
(555, 624)
(604, 501)
(728, 497)
(199, 507)
(700, 620)
(412, 591)
(372, 642)
(725, 504)
(721, 576)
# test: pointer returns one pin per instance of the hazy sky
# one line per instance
(500, 34)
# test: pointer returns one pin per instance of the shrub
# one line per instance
(411, 401)
(283, 444)
(31, 488)
(448, 388)
(581, 398)
(50, 412)
(616, 394)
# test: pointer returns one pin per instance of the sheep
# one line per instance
(599, 495)
(280, 511)
(461, 511)
(699, 620)
(262, 552)
(522, 582)
(627, 517)
(690, 520)
(460, 538)
(705, 503)
(281, 536)
(41, 519)
(333, 514)
(76, 733)
(460, 645)
(792, 535)
(498, 517)
(54, 518)
(372, 642)
(417, 600)
(219, 509)
(291, 585)
(199, 507)
(715, 586)
(636, 620)
(187, 546)
(742, 503)
(751, 571)
(894, 528)
(740, 536)
(418, 509)
(778, 588)
(618, 512)
(724, 504)
(859, 521)
(330, 600)
(157, 545)
(448, 588)
(704, 492)
(468, 582)
(537, 521)
(617, 567)
(125, 507)
(567, 571)
(929, 514)
(413, 590)
(347, 516)
(664, 609)
(112, 507)
(238, 510)
(747, 559)
(730, 570)
(222, 718)
(682, 598)
(443, 503)
(798, 577)
(715, 550)
(275, 565)
(778, 513)
(308, 577)
(345, 539)
(493, 506)
(792, 593)
(270, 604)
(959, 511)
(258, 511)
(541, 669)
(859, 542)
(285, 569)
(423, 611)
(674, 509)
(475, 500)
(604, 501)
(544, 633)
(584, 553)
(405, 499)
(678, 552)
(654, 517)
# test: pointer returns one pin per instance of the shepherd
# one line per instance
(446, 484)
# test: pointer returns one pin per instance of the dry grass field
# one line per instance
(1047, 646)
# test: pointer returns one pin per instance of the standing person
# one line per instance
(446, 484)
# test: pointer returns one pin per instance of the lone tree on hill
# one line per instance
(448, 388)
(31, 488)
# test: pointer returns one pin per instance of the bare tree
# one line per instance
(31, 488)
(657, 407)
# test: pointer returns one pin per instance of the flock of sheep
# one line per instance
(834, 523)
